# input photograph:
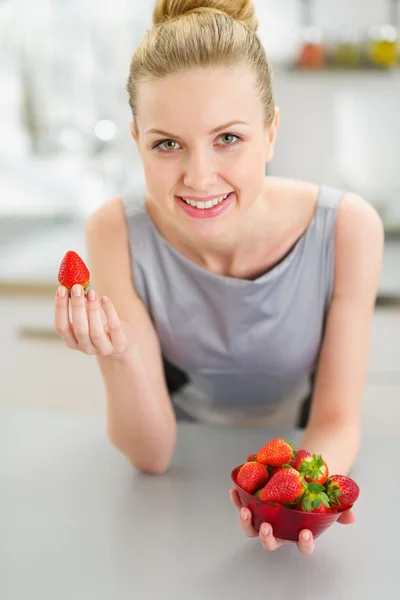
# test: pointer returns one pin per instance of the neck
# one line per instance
(218, 253)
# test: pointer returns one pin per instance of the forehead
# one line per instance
(198, 99)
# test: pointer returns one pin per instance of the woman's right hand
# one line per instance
(95, 327)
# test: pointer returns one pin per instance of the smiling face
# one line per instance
(202, 138)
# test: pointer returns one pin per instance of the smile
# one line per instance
(208, 204)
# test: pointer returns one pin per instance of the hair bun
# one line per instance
(240, 10)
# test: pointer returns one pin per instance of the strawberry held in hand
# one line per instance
(275, 453)
(73, 271)
(252, 476)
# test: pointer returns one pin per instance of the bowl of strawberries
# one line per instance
(292, 490)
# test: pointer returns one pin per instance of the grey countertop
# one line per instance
(77, 521)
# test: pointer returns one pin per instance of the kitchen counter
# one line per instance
(77, 521)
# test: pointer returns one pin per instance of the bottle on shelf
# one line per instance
(312, 53)
(347, 53)
(383, 47)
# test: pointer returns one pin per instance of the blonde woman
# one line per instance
(222, 295)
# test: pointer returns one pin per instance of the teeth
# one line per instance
(208, 204)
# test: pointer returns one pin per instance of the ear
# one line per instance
(133, 132)
(270, 136)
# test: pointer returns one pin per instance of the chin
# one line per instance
(207, 229)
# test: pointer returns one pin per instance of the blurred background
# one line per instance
(65, 148)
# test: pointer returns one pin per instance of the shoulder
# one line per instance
(108, 220)
(107, 243)
(359, 244)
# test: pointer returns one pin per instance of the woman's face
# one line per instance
(202, 140)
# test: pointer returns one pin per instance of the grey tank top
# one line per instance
(247, 346)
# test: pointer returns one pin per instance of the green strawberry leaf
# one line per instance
(325, 500)
(315, 487)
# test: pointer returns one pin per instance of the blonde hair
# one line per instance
(193, 34)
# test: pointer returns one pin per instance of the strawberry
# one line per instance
(251, 457)
(314, 498)
(322, 509)
(252, 476)
(342, 491)
(73, 270)
(287, 486)
(275, 453)
(312, 466)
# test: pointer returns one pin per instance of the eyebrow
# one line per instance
(215, 130)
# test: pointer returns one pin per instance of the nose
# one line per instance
(199, 170)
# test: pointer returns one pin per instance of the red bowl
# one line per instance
(286, 522)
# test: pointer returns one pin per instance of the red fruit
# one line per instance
(342, 491)
(275, 453)
(286, 487)
(314, 499)
(252, 476)
(311, 466)
(322, 509)
(73, 270)
(251, 457)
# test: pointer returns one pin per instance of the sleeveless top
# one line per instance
(247, 346)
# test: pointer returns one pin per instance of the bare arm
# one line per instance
(334, 427)
(141, 421)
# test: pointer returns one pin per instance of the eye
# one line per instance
(229, 139)
(166, 146)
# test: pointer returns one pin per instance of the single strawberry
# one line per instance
(287, 486)
(314, 497)
(322, 509)
(342, 491)
(252, 457)
(275, 453)
(73, 271)
(312, 466)
(252, 476)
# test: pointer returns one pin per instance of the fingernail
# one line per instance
(244, 515)
(76, 290)
(61, 291)
(91, 295)
(265, 530)
(104, 299)
(305, 536)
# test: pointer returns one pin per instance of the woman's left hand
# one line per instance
(268, 541)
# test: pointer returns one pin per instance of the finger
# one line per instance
(80, 320)
(117, 335)
(62, 323)
(102, 314)
(347, 517)
(98, 336)
(306, 543)
(267, 538)
(245, 523)
(235, 499)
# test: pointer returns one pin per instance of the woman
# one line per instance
(243, 285)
